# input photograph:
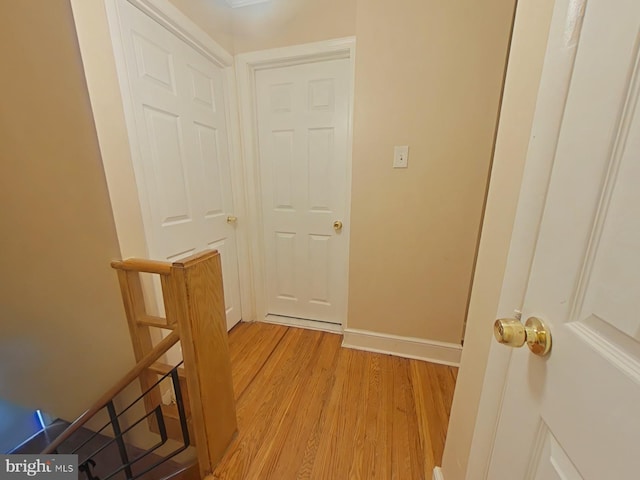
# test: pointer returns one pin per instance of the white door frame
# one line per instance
(247, 64)
(552, 93)
(168, 16)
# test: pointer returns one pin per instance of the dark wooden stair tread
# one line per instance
(42, 439)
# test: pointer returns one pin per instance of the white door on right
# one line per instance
(303, 122)
(576, 413)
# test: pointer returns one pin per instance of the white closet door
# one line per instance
(181, 151)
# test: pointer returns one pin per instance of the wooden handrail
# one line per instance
(142, 265)
(132, 375)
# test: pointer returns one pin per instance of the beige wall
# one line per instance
(428, 75)
(96, 49)
(521, 89)
(60, 306)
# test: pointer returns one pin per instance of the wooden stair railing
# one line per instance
(194, 306)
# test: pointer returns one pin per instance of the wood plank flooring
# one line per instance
(309, 409)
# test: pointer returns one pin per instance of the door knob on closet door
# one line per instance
(337, 225)
(513, 333)
(232, 219)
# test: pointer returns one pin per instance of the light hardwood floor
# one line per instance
(309, 409)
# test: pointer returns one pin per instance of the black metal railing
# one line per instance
(88, 463)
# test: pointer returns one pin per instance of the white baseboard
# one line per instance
(437, 474)
(408, 347)
(303, 323)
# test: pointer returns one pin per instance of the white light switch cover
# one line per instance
(401, 156)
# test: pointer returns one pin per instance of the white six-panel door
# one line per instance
(181, 160)
(574, 415)
(303, 115)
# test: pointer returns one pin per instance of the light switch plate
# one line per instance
(401, 156)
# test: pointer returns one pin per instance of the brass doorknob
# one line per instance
(513, 333)
(337, 225)
(232, 219)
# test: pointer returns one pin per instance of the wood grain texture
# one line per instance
(309, 409)
(141, 340)
(142, 265)
(200, 310)
(190, 472)
(254, 346)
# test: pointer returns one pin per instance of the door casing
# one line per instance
(247, 65)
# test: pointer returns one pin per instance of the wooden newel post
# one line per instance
(200, 312)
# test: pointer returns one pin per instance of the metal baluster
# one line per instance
(86, 469)
(182, 414)
(122, 448)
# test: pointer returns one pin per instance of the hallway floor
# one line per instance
(308, 408)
